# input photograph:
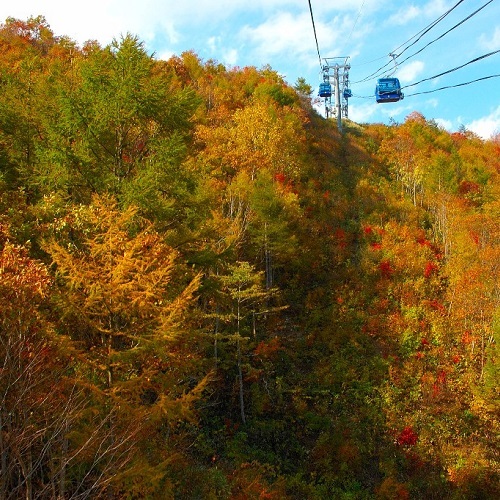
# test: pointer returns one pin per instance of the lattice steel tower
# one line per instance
(338, 73)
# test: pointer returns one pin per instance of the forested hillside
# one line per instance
(207, 292)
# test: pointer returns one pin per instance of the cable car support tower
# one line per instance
(337, 73)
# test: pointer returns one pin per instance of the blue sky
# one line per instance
(279, 33)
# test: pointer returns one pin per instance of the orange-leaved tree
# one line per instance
(38, 401)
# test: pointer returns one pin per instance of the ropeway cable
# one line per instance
(445, 33)
(356, 22)
(315, 36)
(453, 86)
(439, 37)
(453, 69)
(425, 31)
(420, 34)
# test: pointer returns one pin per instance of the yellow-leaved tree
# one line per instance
(123, 295)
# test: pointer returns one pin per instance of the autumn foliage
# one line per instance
(206, 291)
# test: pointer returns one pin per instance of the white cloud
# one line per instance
(164, 55)
(225, 55)
(362, 113)
(213, 43)
(492, 43)
(407, 14)
(103, 20)
(445, 124)
(288, 34)
(87, 21)
(487, 126)
(230, 57)
(404, 15)
(409, 72)
(396, 110)
(435, 8)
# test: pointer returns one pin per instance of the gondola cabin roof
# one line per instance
(325, 90)
(388, 90)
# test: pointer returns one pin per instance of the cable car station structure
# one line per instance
(335, 82)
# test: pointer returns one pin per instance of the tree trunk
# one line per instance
(240, 379)
(240, 371)
(3, 458)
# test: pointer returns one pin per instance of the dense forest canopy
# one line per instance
(207, 291)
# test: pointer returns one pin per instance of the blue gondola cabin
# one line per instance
(325, 90)
(388, 90)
